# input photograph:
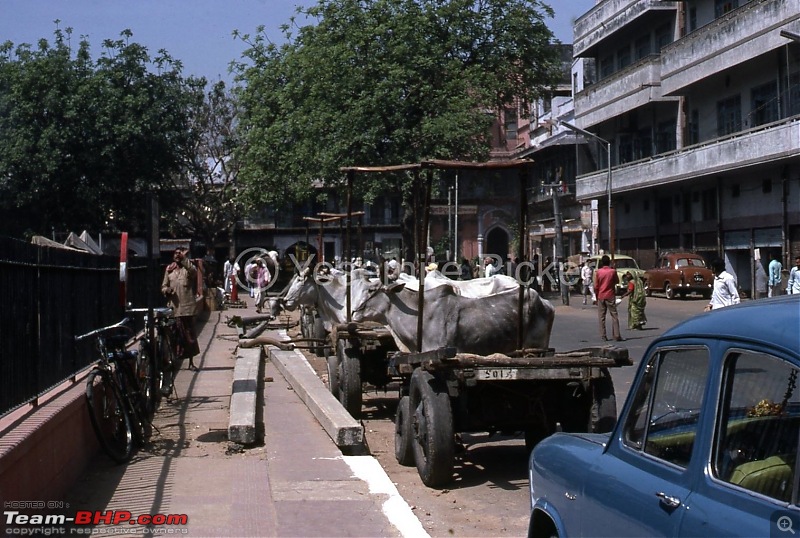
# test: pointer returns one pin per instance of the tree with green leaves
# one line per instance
(82, 142)
(208, 178)
(385, 82)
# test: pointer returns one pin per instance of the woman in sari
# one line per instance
(637, 300)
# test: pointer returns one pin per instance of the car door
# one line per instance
(639, 486)
(748, 488)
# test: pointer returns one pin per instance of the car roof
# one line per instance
(681, 253)
(598, 256)
(774, 321)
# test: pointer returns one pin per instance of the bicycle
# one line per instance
(114, 399)
(155, 366)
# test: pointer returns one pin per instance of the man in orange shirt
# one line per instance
(605, 282)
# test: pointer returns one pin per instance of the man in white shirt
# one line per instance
(725, 292)
(490, 268)
(774, 270)
(793, 286)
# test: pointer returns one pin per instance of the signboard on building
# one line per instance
(447, 210)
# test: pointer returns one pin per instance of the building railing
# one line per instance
(51, 295)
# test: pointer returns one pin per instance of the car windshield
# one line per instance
(623, 263)
(691, 262)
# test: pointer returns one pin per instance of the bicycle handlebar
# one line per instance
(163, 311)
(124, 323)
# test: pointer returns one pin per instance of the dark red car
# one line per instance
(680, 273)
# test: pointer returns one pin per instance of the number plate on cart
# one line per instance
(495, 374)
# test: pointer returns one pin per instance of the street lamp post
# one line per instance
(608, 179)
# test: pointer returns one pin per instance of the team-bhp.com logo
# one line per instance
(82, 522)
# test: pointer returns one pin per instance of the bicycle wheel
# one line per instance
(109, 416)
(147, 376)
(134, 401)
(166, 360)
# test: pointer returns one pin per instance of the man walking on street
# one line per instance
(774, 269)
(793, 286)
(605, 282)
(179, 286)
(725, 292)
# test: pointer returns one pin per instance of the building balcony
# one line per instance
(768, 143)
(626, 90)
(608, 17)
(737, 37)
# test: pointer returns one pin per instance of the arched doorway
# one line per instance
(497, 242)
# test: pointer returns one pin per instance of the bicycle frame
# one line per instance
(117, 413)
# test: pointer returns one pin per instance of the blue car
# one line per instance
(705, 445)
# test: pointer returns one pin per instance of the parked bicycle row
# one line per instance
(132, 373)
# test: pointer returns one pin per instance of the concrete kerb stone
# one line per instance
(345, 431)
(244, 396)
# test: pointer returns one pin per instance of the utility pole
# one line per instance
(563, 286)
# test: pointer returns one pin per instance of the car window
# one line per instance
(757, 437)
(625, 264)
(665, 263)
(682, 262)
(666, 407)
(697, 262)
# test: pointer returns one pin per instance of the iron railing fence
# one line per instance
(50, 296)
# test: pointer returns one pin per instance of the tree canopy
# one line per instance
(383, 82)
(210, 169)
(82, 141)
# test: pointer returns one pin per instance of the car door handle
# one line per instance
(669, 500)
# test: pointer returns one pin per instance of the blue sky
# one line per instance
(197, 32)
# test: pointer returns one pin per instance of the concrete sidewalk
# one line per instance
(296, 483)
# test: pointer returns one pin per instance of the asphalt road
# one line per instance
(489, 493)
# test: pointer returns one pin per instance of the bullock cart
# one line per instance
(312, 326)
(454, 380)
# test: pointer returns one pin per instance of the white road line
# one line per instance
(395, 508)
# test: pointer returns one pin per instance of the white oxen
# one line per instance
(475, 288)
(477, 316)
(328, 293)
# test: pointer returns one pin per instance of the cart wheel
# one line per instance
(604, 403)
(432, 423)
(318, 332)
(349, 379)
(404, 433)
(333, 373)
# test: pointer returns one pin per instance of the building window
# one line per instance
(606, 67)
(623, 57)
(721, 7)
(665, 136)
(665, 210)
(764, 104)
(625, 149)
(729, 115)
(646, 205)
(510, 116)
(766, 186)
(663, 36)
(794, 94)
(642, 46)
(709, 200)
(694, 127)
(692, 19)
(643, 145)
(735, 191)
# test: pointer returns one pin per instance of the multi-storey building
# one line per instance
(700, 101)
